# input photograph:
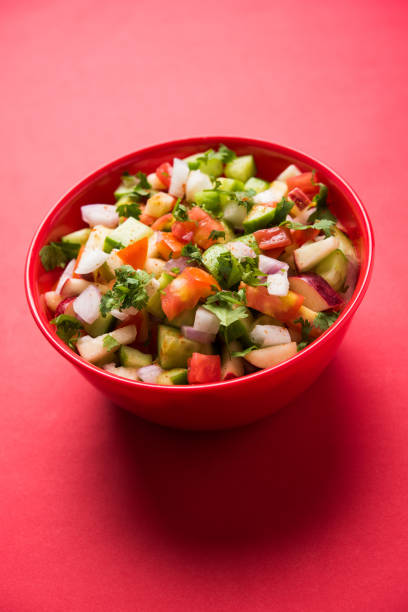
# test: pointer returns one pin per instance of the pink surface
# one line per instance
(306, 510)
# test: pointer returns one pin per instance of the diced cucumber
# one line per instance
(154, 304)
(129, 181)
(234, 213)
(241, 168)
(78, 237)
(256, 184)
(333, 269)
(229, 184)
(177, 376)
(105, 274)
(185, 318)
(211, 255)
(241, 329)
(345, 244)
(210, 200)
(258, 218)
(101, 326)
(132, 358)
(212, 167)
(174, 349)
(130, 231)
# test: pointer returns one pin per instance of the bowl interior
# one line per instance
(270, 160)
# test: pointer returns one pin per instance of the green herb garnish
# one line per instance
(110, 343)
(68, 329)
(128, 290)
(193, 253)
(180, 211)
(324, 225)
(57, 254)
(215, 234)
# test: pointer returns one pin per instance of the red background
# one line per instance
(306, 510)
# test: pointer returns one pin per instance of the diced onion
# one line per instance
(178, 178)
(269, 335)
(91, 260)
(67, 273)
(269, 265)
(206, 321)
(149, 373)
(196, 335)
(86, 305)
(240, 250)
(197, 181)
(278, 283)
(100, 214)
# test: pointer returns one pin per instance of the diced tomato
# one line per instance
(135, 254)
(282, 308)
(299, 198)
(185, 291)
(273, 238)
(204, 369)
(302, 236)
(168, 246)
(164, 172)
(163, 222)
(305, 182)
(184, 230)
(206, 224)
(145, 218)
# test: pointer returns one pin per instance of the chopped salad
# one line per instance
(201, 271)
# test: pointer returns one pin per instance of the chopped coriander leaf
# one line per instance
(68, 329)
(191, 251)
(131, 209)
(244, 351)
(306, 328)
(282, 209)
(215, 234)
(143, 182)
(57, 254)
(227, 307)
(228, 268)
(180, 211)
(128, 290)
(324, 225)
(251, 274)
(228, 297)
(322, 213)
(109, 342)
(225, 154)
(325, 319)
(175, 270)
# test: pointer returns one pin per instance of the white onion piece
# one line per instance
(180, 263)
(130, 373)
(152, 287)
(178, 178)
(196, 335)
(122, 315)
(149, 373)
(206, 321)
(240, 250)
(269, 265)
(86, 305)
(155, 182)
(67, 273)
(235, 214)
(278, 283)
(289, 172)
(272, 195)
(269, 335)
(100, 214)
(91, 260)
(197, 181)
(303, 216)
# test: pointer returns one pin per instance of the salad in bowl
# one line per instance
(201, 271)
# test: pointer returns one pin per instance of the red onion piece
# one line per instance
(268, 265)
(67, 273)
(180, 263)
(196, 335)
(66, 307)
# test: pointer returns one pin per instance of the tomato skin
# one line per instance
(164, 172)
(204, 369)
(282, 308)
(302, 236)
(184, 230)
(273, 238)
(305, 181)
(146, 219)
(163, 222)
(135, 254)
(185, 291)
(168, 246)
(205, 225)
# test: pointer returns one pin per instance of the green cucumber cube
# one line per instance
(229, 184)
(132, 358)
(256, 184)
(176, 376)
(212, 167)
(210, 200)
(130, 231)
(174, 350)
(78, 237)
(241, 168)
(333, 269)
(102, 325)
(258, 217)
(154, 304)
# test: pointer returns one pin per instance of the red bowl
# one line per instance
(218, 405)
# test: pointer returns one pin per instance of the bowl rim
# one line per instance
(344, 318)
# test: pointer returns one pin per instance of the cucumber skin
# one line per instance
(176, 376)
(333, 269)
(174, 350)
(154, 304)
(210, 256)
(78, 237)
(252, 224)
(241, 168)
(256, 184)
(132, 358)
(102, 325)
